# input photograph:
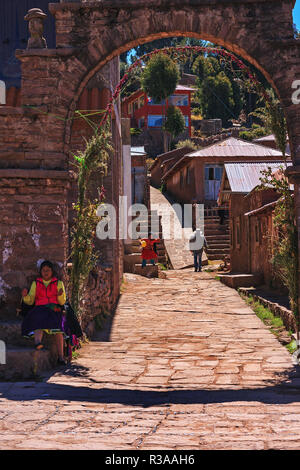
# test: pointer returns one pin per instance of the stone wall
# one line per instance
(33, 222)
(99, 298)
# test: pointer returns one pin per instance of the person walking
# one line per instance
(197, 243)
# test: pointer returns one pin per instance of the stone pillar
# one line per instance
(33, 226)
(126, 147)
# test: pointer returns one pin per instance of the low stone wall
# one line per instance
(278, 310)
(99, 298)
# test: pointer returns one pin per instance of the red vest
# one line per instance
(46, 295)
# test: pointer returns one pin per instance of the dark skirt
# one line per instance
(43, 317)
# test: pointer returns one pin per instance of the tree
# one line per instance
(218, 93)
(273, 119)
(142, 49)
(175, 123)
(159, 80)
(160, 77)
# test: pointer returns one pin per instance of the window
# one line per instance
(179, 100)
(211, 174)
(188, 175)
(141, 122)
(135, 105)
(152, 102)
(154, 121)
(218, 173)
(141, 102)
(181, 178)
(238, 233)
(2, 92)
(130, 108)
(257, 232)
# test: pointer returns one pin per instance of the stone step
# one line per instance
(211, 217)
(215, 233)
(10, 329)
(144, 231)
(223, 237)
(215, 225)
(147, 271)
(219, 228)
(218, 246)
(241, 280)
(26, 363)
(137, 249)
(214, 251)
(216, 257)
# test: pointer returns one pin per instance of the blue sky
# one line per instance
(297, 14)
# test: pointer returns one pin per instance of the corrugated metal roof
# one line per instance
(138, 151)
(233, 147)
(184, 88)
(267, 138)
(243, 177)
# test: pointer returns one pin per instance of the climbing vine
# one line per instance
(84, 257)
(181, 55)
(285, 242)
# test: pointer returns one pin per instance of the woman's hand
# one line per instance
(60, 292)
(24, 292)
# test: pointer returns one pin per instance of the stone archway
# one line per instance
(36, 136)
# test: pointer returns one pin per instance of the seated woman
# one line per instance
(47, 294)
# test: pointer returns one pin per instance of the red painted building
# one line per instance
(146, 114)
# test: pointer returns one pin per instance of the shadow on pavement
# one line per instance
(285, 392)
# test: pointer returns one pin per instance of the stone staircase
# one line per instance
(22, 360)
(132, 251)
(217, 237)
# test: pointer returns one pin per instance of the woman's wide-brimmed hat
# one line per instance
(35, 13)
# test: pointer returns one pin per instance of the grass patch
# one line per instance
(162, 267)
(123, 286)
(75, 355)
(269, 319)
(292, 346)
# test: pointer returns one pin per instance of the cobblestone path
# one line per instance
(188, 366)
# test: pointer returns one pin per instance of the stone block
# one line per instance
(25, 363)
(241, 280)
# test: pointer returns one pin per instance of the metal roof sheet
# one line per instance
(138, 151)
(243, 177)
(233, 147)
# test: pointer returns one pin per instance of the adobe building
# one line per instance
(139, 177)
(144, 112)
(147, 116)
(163, 162)
(197, 176)
(251, 213)
(270, 141)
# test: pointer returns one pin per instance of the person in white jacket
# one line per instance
(197, 242)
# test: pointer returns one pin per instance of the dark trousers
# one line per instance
(198, 259)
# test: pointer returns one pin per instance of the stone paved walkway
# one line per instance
(188, 366)
(176, 238)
